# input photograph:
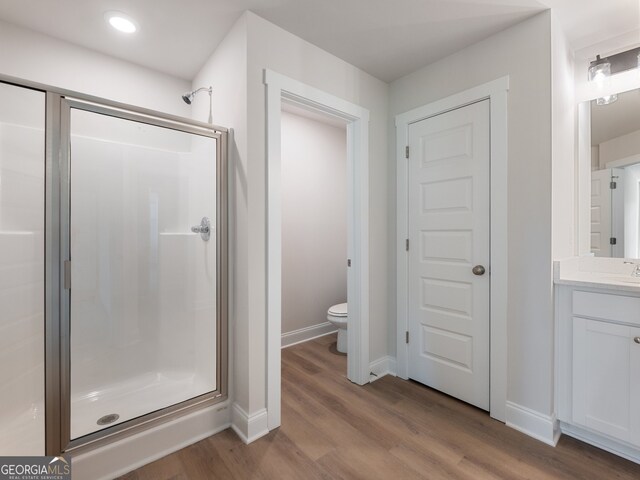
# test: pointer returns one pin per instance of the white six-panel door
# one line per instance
(449, 230)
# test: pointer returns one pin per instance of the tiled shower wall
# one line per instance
(22, 116)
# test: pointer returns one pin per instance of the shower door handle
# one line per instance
(204, 229)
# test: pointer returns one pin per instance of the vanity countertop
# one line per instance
(593, 272)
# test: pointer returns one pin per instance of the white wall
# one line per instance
(33, 56)
(271, 47)
(226, 72)
(595, 158)
(563, 145)
(235, 70)
(314, 220)
(524, 53)
(564, 182)
(21, 271)
(624, 146)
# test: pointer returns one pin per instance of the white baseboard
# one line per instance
(249, 427)
(307, 333)
(612, 446)
(535, 424)
(381, 367)
(127, 454)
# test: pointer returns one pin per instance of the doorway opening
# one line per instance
(281, 89)
(314, 228)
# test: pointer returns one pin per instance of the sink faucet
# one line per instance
(636, 269)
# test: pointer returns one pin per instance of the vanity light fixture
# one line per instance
(602, 68)
(121, 22)
(599, 72)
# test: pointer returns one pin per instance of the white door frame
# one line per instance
(496, 91)
(280, 87)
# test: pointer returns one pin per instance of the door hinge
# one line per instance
(406, 244)
(67, 274)
(348, 262)
(613, 185)
(406, 336)
(406, 151)
(613, 241)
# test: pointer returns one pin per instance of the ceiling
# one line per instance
(386, 38)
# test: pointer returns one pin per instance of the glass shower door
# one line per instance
(143, 262)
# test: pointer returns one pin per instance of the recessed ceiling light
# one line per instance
(121, 22)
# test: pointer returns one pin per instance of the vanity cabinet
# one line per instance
(606, 378)
(598, 366)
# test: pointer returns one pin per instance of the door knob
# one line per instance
(478, 270)
(637, 339)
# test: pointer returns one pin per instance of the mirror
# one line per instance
(615, 177)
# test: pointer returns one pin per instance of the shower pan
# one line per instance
(135, 271)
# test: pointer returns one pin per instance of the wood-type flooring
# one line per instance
(391, 429)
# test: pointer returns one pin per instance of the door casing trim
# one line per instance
(496, 92)
(278, 88)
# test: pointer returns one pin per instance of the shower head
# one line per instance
(188, 97)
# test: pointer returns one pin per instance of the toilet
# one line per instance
(337, 315)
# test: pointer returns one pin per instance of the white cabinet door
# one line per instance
(606, 373)
(635, 387)
(449, 235)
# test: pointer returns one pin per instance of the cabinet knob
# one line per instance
(637, 340)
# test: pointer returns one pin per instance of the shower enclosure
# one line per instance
(129, 208)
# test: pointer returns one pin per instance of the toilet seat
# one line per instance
(339, 310)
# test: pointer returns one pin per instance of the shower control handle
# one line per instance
(204, 229)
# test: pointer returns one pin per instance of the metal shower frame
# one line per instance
(59, 103)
